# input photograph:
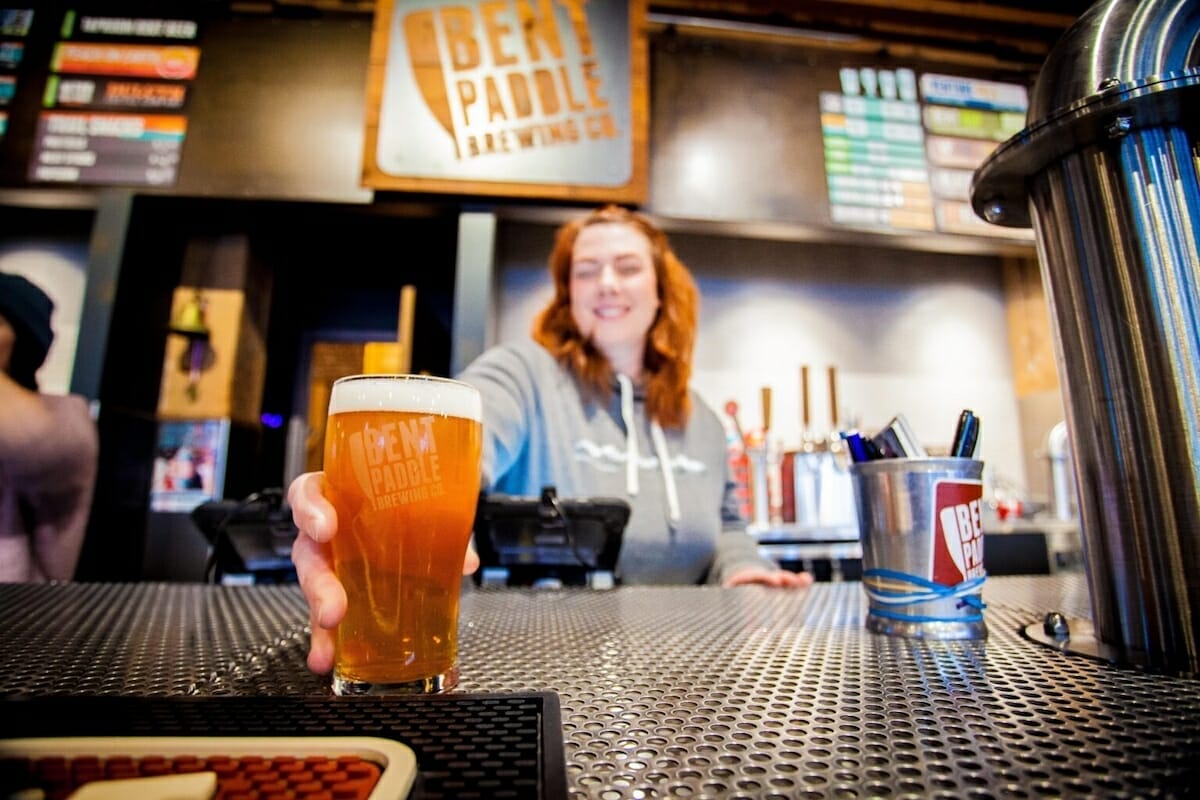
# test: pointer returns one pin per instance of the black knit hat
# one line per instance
(27, 309)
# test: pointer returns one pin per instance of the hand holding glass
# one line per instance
(402, 457)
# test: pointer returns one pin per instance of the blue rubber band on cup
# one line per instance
(879, 612)
(966, 592)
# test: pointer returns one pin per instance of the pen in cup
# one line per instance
(860, 447)
(897, 440)
(965, 435)
(856, 445)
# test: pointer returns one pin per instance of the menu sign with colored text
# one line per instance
(113, 110)
(874, 150)
(965, 119)
(509, 97)
(901, 147)
(14, 22)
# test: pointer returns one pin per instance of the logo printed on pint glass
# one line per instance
(397, 463)
(958, 532)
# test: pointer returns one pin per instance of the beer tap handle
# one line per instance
(731, 408)
(833, 399)
(766, 410)
(805, 410)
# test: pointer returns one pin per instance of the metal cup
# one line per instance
(922, 541)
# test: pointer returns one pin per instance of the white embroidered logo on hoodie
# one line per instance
(608, 458)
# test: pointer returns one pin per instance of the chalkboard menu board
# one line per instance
(965, 119)
(14, 27)
(900, 150)
(184, 98)
(874, 150)
(113, 103)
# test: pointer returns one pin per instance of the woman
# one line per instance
(597, 404)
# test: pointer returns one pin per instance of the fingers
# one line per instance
(321, 587)
(793, 580)
(802, 580)
(320, 651)
(311, 511)
(471, 562)
(781, 578)
(747, 576)
(325, 595)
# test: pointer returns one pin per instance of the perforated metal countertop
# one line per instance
(685, 692)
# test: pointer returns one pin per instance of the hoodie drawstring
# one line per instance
(664, 463)
(631, 444)
(660, 449)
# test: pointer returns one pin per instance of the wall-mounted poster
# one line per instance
(189, 463)
(509, 98)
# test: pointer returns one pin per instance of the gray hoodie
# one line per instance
(540, 430)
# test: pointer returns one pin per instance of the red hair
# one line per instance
(667, 359)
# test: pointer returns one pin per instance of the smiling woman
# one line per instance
(607, 370)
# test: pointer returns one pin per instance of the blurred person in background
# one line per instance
(48, 448)
(597, 404)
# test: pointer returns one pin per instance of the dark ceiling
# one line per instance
(1006, 35)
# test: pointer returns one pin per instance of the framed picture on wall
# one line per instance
(533, 99)
(189, 463)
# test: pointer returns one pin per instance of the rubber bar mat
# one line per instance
(467, 745)
(206, 768)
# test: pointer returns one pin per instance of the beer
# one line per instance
(402, 469)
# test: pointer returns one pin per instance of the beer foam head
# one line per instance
(412, 393)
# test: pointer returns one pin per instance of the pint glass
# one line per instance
(402, 469)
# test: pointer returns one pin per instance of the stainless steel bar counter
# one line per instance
(684, 692)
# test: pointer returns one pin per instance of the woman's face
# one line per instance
(614, 291)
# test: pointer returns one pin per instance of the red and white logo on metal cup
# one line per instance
(957, 531)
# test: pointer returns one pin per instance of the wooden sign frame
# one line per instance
(477, 58)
